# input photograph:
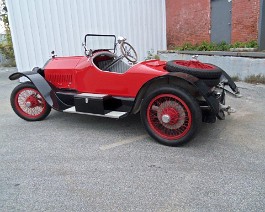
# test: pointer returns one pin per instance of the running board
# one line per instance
(111, 114)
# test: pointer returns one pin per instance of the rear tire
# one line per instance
(171, 116)
(28, 103)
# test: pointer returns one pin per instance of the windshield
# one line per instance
(95, 42)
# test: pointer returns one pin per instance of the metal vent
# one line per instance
(59, 79)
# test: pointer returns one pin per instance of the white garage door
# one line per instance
(40, 26)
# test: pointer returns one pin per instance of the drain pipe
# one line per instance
(261, 39)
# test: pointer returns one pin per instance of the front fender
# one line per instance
(43, 87)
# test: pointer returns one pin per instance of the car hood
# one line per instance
(63, 62)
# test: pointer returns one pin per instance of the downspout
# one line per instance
(261, 39)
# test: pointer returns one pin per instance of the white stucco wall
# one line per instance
(40, 26)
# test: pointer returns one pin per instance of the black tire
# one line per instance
(213, 73)
(26, 112)
(181, 130)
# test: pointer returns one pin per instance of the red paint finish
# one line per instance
(93, 80)
(80, 74)
(66, 63)
(194, 64)
(60, 71)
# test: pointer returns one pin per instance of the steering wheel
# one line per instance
(128, 52)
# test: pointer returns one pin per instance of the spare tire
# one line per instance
(195, 68)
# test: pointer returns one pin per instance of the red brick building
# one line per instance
(196, 21)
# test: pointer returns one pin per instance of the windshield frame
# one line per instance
(100, 35)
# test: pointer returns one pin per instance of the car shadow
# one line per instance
(93, 122)
(206, 135)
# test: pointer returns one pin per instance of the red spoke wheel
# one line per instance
(171, 116)
(28, 103)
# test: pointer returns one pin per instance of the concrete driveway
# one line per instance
(74, 162)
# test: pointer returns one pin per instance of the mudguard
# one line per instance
(228, 81)
(199, 85)
(48, 93)
(202, 88)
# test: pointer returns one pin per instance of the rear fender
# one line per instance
(43, 87)
(228, 81)
(197, 84)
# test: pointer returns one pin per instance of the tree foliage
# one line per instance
(6, 47)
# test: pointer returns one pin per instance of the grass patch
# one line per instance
(254, 79)
(211, 46)
(235, 78)
(152, 55)
(8, 63)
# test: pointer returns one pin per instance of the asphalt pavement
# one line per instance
(71, 162)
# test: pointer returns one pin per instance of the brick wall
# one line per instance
(245, 20)
(190, 21)
(187, 21)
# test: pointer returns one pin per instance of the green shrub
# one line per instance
(211, 46)
(254, 79)
(235, 78)
(151, 55)
(6, 47)
(252, 44)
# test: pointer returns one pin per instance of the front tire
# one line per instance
(171, 116)
(28, 103)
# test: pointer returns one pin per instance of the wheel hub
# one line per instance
(32, 101)
(166, 118)
(169, 114)
(28, 104)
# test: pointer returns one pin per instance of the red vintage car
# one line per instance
(173, 97)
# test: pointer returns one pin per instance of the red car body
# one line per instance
(80, 74)
(172, 97)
